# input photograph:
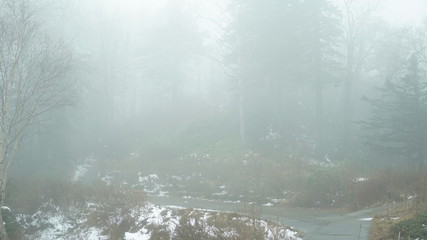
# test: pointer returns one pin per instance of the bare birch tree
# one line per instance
(32, 80)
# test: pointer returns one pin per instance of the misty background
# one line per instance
(288, 79)
(113, 110)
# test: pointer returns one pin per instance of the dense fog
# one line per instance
(246, 100)
(293, 78)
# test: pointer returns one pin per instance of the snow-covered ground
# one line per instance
(143, 223)
(112, 217)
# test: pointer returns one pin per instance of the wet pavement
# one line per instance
(314, 223)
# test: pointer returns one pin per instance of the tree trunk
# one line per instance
(3, 233)
(241, 89)
(347, 111)
(318, 88)
(242, 123)
(319, 138)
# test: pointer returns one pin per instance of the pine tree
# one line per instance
(274, 45)
(398, 123)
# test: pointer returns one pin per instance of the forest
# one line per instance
(213, 119)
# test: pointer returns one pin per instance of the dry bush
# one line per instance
(322, 187)
(368, 193)
(116, 230)
(190, 229)
(27, 195)
(382, 227)
(24, 195)
(111, 209)
(389, 185)
(403, 183)
(159, 232)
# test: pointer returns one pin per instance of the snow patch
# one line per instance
(82, 169)
(360, 179)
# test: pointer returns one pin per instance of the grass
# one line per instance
(195, 225)
(259, 176)
(112, 210)
(405, 217)
(27, 195)
(386, 226)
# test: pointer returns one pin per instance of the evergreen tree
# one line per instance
(398, 123)
(320, 28)
(276, 45)
(174, 42)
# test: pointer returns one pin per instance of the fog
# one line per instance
(280, 103)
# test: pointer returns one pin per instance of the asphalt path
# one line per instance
(316, 224)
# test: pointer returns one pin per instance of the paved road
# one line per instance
(316, 224)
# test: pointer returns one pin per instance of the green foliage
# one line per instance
(414, 228)
(13, 228)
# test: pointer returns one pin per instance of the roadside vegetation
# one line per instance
(220, 169)
(406, 220)
(64, 210)
(214, 166)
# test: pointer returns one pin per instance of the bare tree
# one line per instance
(32, 80)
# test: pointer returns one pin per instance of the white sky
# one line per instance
(132, 7)
(404, 12)
(396, 12)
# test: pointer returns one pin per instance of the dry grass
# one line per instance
(382, 224)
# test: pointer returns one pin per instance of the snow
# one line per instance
(58, 226)
(178, 178)
(149, 178)
(5, 208)
(360, 179)
(134, 154)
(107, 179)
(82, 169)
(149, 183)
(366, 219)
(50, 222)
(174, 207)
(220, 193)
(163, 194)
(137, 236)
(290, 234)
(323, 163)
(95, 234)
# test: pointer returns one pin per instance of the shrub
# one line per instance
(13, 228)
(414, 228)
(321, 187)
(190, 229)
